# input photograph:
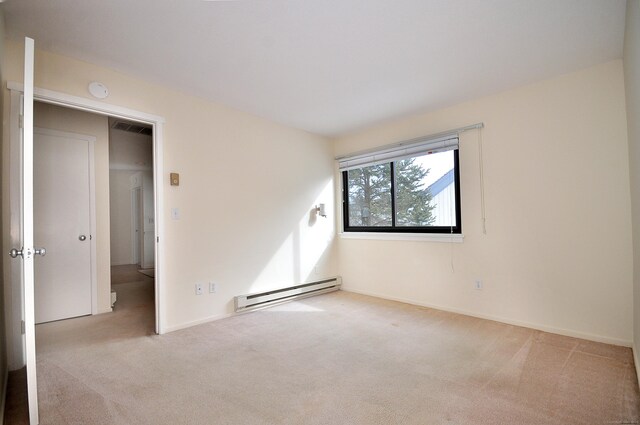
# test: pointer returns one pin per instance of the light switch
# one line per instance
(175, 213)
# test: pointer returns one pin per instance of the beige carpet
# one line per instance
(124, 274)
(338, 358)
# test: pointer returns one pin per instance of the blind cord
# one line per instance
(453, 270)
(452, 212)
(483, 214)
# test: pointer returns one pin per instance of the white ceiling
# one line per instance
(329, 66)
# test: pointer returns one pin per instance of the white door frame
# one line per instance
(101, 108)
(92, 202)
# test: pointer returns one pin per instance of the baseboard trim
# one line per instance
(103, 311)
(197, 322)
(3, 401)
(635, 362)
(544, 328)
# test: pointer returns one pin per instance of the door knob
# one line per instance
(37, 251)
(82, 238)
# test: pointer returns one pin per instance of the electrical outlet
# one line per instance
(478, 284)
(213, 287)
(199, 290)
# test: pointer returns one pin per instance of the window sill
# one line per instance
(420, 237)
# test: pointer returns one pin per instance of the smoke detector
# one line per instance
(98, 90)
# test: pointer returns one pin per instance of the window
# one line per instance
(415, 188)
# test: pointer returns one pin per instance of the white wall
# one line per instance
(247, 187)
(129, 153)
(120, 214)
(632, 86)
(557, 253)
(73, 121)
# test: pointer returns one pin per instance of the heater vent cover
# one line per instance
(132, 127)
(268, 298)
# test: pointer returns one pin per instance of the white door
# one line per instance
(26, 250)
(62, 219)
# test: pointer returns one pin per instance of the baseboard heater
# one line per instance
(277, 296)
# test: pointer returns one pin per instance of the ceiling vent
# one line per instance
(132, 127)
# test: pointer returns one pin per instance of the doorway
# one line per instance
(16, 354)
(83, 190)
(131, 196)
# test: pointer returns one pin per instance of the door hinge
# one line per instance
(90, 237)
(157, 238)
(23, 327)
(21, 121)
